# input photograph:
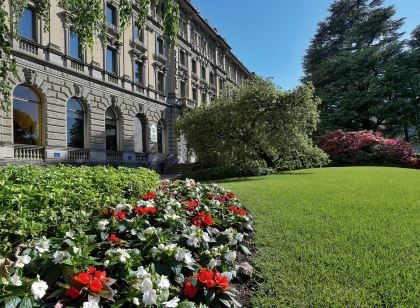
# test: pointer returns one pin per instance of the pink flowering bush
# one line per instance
(176, 247)
(366, 148)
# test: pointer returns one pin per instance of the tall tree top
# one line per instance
(415, 39)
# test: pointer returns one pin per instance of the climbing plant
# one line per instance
(87, 19)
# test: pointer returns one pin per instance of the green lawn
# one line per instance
(336, 237)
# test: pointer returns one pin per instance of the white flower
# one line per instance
(149, 298)
(206, 237)
(124, 255)
(102, 224)
(136, 301)
(172, 303)
(43, 245)
(213, 263)
(22, 261)
(163, 283)
(70, 234)
(39, 288)
(150, 231)
(147, 285)
(230, 256)
(76, 250)
(106, 263)
(140, 273)
(15, 280)
(93, 302)
(161, 246)
(59, 256)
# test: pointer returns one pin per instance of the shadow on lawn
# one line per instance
(257, 178)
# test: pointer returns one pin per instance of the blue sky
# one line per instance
(270, 36)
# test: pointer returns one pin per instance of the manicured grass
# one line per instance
(336, 237)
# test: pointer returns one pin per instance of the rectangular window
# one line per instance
(203, 98)
(138, 72)
(194, 66)
(111, 60)
(74, 46)
(182, 57)
(182, 89)
(111, 15)
(221, 84)
(194, 94)
(211, 78)
(203, 73)
(27, 25)
(159, 46)
(161, 82)
(137, 34)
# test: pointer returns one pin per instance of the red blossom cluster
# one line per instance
(113, 238)
(202, 219)
(93, 279)
(239, 211)
(145, 210)
(207, 278)
(192, 205)
(226, 197)
(149, 196)
(119, 215)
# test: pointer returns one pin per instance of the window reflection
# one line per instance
(27, 116)
(27, 24)
(75, 124)
(111, 130)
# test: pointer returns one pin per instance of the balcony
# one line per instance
(28, 46)
(114, 156)
(79, 155)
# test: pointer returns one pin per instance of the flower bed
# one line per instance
(176, 247)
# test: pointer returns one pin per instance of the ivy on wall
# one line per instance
(87, 20)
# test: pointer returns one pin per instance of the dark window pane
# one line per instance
(111, 63)
(74, 44)
(111, 130)
(26, 116)
(140, 134)
(27, 24)
(111, 15)
(75, 124)
(161, 138)
(160, 84)
(138, 73)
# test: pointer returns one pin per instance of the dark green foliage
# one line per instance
(354, 48)
(38, 201)
(335, 237)
(218, 173)
(256, 124)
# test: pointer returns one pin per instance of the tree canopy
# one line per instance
(360, 65)
(256, 124)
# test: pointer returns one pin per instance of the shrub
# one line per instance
(177, 244)
(256, 124)
(48, 200)
(366, 148)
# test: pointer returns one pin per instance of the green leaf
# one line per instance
(26, 303)
(12, 302)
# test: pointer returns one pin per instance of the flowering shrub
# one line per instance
(366, 148)
(176, 247)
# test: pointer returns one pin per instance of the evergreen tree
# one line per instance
(346, 62)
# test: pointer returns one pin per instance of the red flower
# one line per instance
(83, 278)
(73, 293)
(152, 210)
(189, 289)
(145, 210)
(149, 196)
(120, 215)
(206, 277)
(221, 280)
(192, 205)
(196, 221)
(238, 210)
(101, 275)
(114, 238)
(207, 220)
(96, 286)
(231, 196)
(91, 270)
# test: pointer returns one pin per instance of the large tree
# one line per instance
(346, 62)
(256, 124)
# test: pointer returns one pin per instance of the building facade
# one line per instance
(118, 102)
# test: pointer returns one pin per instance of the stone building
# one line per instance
(118, 102)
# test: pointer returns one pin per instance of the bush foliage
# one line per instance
(366, 148)
(42, 201)
(256, 124)
(176, 247)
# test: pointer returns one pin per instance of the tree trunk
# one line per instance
(366, 125)
(406, 136)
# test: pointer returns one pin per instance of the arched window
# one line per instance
(140, 140)
(111, 129)
(27, 116)
(161, 134)
(75, 124)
